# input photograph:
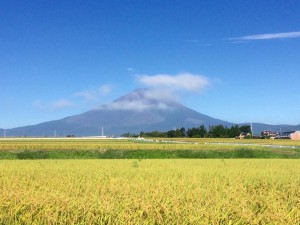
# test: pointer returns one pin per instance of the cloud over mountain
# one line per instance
(183, 81)
(142, 100)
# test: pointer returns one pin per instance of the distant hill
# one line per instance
(140, 110)
(259, 127)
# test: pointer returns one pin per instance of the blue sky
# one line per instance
(233, 60)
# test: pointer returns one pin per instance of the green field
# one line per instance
(74, 148)
(186, 181)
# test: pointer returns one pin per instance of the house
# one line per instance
(294, 135)
(268, 134)
(244, 135)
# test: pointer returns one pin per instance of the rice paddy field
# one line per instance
(92, 148)
(141, 190)
(133, 144)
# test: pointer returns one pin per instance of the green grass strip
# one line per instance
(147, 154)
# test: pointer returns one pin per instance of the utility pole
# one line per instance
(251, 129)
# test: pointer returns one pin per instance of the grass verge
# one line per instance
(147, 154)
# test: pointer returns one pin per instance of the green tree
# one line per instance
(234, 131)
(171, 133)
(218, 131)
(202, 131)
(182, 132)
(245, 129)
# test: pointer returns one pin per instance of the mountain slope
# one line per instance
(140, 110)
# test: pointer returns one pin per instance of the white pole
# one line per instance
(102, 132)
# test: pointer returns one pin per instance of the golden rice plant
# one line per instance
(22, 144)
(239, 191)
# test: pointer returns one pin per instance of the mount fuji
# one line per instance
(140, 110)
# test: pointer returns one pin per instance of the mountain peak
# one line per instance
(145, 99)
(134, 95)
(149, 94)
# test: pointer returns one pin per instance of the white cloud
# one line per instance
(52, 106)
(130, 69)
(182, 81)
(87, 95)
(160, 94)
(61, 104)
(137, 105)
(105, 89)
(267, 36)
(142, 100)
(91, 95)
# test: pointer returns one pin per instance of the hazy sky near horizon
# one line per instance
(237, 61)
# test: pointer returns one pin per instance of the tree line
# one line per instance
(218, 131)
